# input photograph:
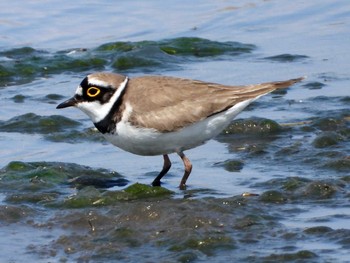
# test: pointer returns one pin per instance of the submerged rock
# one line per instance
(287, 58)
(47, 182)
(25, 64)
(273, 196)
(290, 257)
(342, 164)
(327, 139)
(314, 85)
(32, 123)
(231, 165)
(253, 126)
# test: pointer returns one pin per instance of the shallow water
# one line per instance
(274, 190)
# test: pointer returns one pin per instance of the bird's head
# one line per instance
(97, 94)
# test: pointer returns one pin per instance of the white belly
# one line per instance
(143, 141)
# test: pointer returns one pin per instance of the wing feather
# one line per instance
(168, 104)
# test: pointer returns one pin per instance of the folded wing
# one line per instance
(174, 103)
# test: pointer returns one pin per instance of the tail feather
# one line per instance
(253, 92)
(285, 84)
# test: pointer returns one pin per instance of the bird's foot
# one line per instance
(182, 186)
(156, 183)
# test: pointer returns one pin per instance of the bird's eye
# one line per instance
(93, 92)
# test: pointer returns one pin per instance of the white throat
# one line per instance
(97, 111)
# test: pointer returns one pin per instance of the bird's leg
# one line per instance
(188, 169)
(166, 167)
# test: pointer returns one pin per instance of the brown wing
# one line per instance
(168, 104)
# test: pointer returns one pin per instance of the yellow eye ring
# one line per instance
(93, 92)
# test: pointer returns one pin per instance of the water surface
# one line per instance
(257, 193)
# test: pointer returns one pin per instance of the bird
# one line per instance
(159, 115)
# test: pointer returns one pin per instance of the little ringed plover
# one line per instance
(158, 115)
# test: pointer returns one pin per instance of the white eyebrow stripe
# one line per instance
(97, 82)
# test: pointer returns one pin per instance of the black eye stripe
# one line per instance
(103, 94)
(85, 83)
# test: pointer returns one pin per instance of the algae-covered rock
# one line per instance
(14, 213)
(231, 165)
(206, 245)
(183, 46)
(49, 182)
(287, 58)
(273, 196)
(314, 85)
(23, 65)
(342, 164)
(32, 123)
(318, 190)
(291, 257)
(76, 136)
(293, 183)
(318, 230)
(90, 196)
(328, 123)
(253, 126)
(203, 47)
(326, 140)
(130, 62)
(18, 98)
(138, 191)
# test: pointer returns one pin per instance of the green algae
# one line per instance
(231, 165)
(32, 123)
(47, 183)
(143, 191)
(134, 192)
(293, 188)
(273, 196)
(319, 190)
(327, 139)
(10, 214)
(130, 62)
(253, 126)
(340, 165)
(294, 183)
(26, 64)
(206, 245)
(118, 46)
(183, 46)
(55, 128)
(314, 85)
(48, 171)
(19, 98)
(328, 123)
(285, 257)
(200, 47)
(76, 136)
(53, 97)
(318, 230)
(16, 53)
(287, 58)
(248, 221)
(90, 196)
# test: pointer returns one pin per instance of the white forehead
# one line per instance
(97, 82)
(79, 91)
